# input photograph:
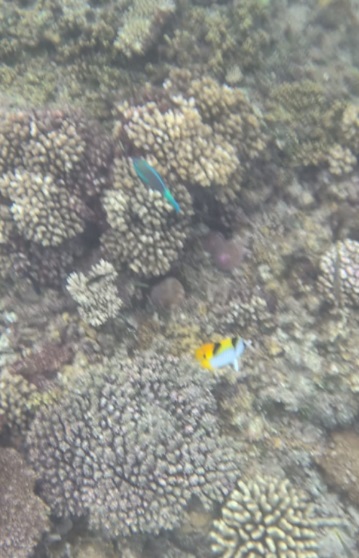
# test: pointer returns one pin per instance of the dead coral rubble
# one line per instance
(197, 131)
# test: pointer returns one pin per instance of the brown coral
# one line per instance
(43, 361)
(24, 517)
(195, 132)
(141, 25)
(340, 463)
(145, 234)
(53, 166)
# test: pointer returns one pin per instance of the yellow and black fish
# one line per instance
(225, 352)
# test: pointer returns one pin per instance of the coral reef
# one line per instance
(297, 112)
(96, 293)
(245, 307)
(312, 129)
(24, 517)
(339, 273)
(19, 401)
(221, 35)
(145, 234)
(130, 444)
(53, 166)
(340, 462)
(141, 24)
(128, 26)
(267, 516)
(195, 132)
(43, 362)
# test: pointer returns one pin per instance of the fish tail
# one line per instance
(172, 201)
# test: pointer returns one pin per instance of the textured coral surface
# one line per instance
(24, 517)
(130, 445)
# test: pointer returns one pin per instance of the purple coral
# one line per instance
(226, 254)
(130, 445)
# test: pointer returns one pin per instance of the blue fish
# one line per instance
(153, 180)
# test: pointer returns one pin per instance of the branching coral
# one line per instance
(214, 37)
(42, 210)
(19, 401)
(179, 139)
(195, 132)
(145, 233)
(53, 165)
(130, 444)
(73, 26)
(296, 113)
(267, 517)
(141, 25)
(96, 293)
(312, 129)
(24, 517)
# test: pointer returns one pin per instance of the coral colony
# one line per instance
(133, 442)
(178, 181)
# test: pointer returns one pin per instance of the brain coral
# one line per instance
(24, 517)
(267, 517)
(130, 444)
(145, 233)
(339, 273)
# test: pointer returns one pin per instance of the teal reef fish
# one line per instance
(227, 351)
(151, 178)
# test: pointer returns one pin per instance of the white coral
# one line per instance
(96, 293)
(267, 517)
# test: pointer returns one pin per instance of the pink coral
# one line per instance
(226, 254)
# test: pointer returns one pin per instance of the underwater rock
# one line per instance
(167, 293)
(340, 463)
